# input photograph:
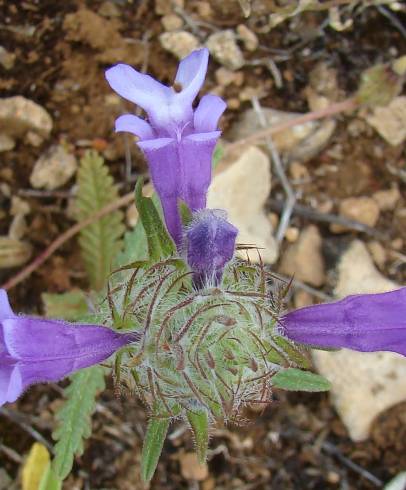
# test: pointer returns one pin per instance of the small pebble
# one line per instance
(7, 59)
(224, 48)
(387, 199)
(397, 244)
(248, 37)
(233, 104)
(6, 143)
(225, 77)
(298, 171)
(53, 169)
(292, 234)
(172, 22)
(179, 43)
(362, 209)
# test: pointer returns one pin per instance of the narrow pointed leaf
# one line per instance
(153, 444)
(160, 244)
(199, 423)
(293, 379)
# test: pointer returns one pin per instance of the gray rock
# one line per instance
(53, 169)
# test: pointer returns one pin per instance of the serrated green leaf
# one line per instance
(152, 448)
(100, 241)
(199, 423)
(293, 379)
(160, 244)
(69, 306)
(74, 417)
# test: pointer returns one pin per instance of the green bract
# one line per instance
(206, 354)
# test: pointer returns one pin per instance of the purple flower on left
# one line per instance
(36, 350)
(177, 139)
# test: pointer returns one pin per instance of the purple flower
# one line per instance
(364, 322)
(177, 139)
(35, 350)
(209, 245)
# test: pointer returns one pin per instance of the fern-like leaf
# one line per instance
(74, 417)
(100, 241)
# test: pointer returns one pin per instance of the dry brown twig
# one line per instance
(336, 108)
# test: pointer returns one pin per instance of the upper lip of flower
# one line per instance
(168, 110)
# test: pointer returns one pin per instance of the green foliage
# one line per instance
(217, 155)
(74, 417)
(99, 241)
(185, 213)
(160, 244)
(293, 379)
(199, 422)
(71, 306)
(152, 448)
(49, 480)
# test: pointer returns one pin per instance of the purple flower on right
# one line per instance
(363, 322)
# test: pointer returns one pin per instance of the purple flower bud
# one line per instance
(209, 244)
(177, 140)
(35, 350)
(364, 322)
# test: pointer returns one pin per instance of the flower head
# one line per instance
(209, 244)
(36, 350)
(364, 322)
(177, 139)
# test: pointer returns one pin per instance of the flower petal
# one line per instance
(364, 322)
(39, 340)
(10, 383)
(5, 308)
(135, 125)
(208, 113)
(196, 153)
(141, 89)
(191, 74)
(155, 144)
